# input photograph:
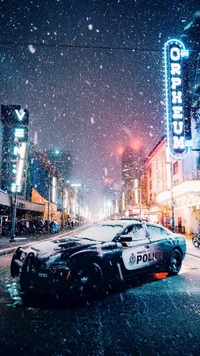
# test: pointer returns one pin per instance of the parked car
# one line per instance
(108, 252)
(139, 218)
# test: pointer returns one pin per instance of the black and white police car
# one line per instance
(108, 252)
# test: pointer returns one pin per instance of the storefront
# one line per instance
(186, 200)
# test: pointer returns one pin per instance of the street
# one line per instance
(152, 317)
(100, 178)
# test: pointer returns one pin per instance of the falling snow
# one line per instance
(92, 77)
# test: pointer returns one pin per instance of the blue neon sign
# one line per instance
(174, 53)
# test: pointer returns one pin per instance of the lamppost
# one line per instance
(62, 206)
(140, 200)
(61, 198)
(172, 197)
(14, 202)
(49, 205)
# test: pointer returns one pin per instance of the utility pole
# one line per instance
(49, 197)
(140, 200)
(14, 202)
(62, 207)
(172, 198)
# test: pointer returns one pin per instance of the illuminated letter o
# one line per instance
(175, 54)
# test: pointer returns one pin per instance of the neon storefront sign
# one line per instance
(174, 54)
(14, 147)
(17, 163)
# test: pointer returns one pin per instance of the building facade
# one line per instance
(173, 185)
(132, 163)
(62, 160)
(173, 179)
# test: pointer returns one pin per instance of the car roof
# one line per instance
(119, 222)
(133, 218)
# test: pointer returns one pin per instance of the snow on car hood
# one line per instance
(47, 248)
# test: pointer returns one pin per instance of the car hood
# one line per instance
(67, 246)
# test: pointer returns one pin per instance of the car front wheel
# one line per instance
(87, 281)
(195, 242)
(175, 263)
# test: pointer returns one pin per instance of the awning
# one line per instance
(28, 205)
(184, 193)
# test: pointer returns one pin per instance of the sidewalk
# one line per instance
(6, 246)
(9, 247)
(191, 250)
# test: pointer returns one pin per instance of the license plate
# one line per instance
(43, 275)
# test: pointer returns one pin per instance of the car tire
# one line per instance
(195, 242)
(175, 262)
(87, 281)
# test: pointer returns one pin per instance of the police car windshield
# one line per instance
(101, 232)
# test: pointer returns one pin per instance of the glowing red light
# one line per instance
(120, 150)
(160, 275)
(136, 145)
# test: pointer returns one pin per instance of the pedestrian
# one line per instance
(179, 225)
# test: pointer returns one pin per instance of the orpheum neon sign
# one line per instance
(174, 53)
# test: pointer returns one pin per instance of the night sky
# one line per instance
(91, 75)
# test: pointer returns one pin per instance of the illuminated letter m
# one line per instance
(179, 142)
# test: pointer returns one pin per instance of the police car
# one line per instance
(108, 252)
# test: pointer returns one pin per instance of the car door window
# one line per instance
(156, 231)
(137, 232)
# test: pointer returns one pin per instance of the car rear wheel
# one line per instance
(175, 263)
(87, 281)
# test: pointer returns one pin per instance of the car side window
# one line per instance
(137, 232)
(155, 231)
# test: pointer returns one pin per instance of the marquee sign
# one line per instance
(174, 54)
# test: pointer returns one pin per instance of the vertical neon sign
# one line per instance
(174, 53)
(15, 134)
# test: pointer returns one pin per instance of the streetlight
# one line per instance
(170, 185)
(140, 200)
(62, 204)
(172, 198)
(14, 202)
(49, 203)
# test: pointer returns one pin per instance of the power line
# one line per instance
(109, 48)
(12, 43)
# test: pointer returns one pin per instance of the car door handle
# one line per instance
(146, 245)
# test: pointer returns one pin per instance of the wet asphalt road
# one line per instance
(152, 317)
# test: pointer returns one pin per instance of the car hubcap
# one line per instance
(175, 263)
